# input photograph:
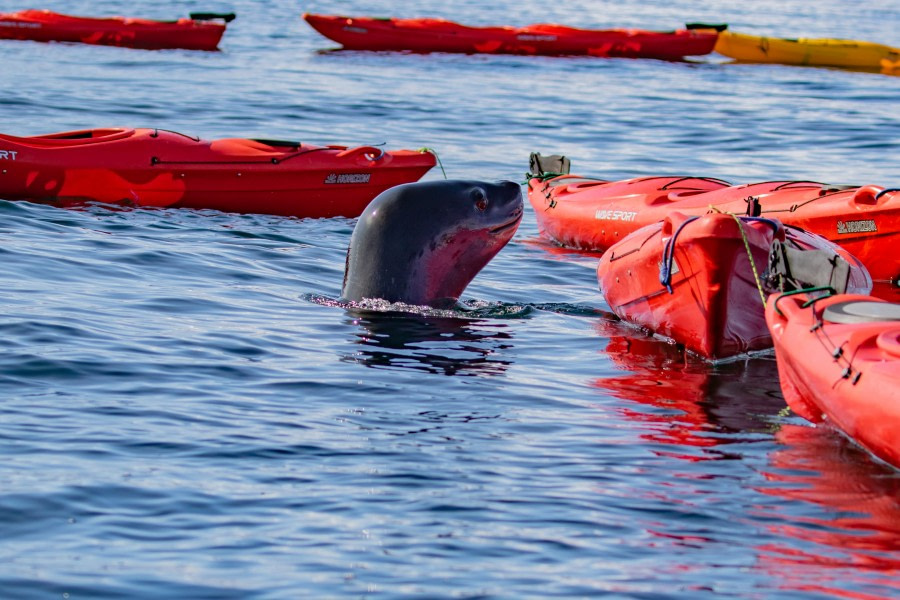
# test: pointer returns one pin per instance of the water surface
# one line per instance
(187, 413)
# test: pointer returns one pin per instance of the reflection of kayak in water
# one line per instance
(827, 517)
(692, 412)
(850, 550)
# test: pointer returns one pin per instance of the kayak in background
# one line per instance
(820, 52)
(702, 280)
(439, 35)
(839, 362)
(165, 169)
(593, 214)
(200, 32)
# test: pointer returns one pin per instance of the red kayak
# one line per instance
(201, 32)
(839, 362)
(439, 35)
(593, 214)
(701, 281)
(157, 168)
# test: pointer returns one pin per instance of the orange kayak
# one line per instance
(593, 214)
(439, 35)
(201, 32)
(157, 168)
(839, 362)
(701, 281)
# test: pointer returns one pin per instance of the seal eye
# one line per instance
(480, 200)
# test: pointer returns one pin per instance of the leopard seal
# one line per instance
(422, 243)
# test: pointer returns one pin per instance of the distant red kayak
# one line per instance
(691, 279)
(593, 214)
(158, 168)
(439, 35)
(839, 363)
(201, 32)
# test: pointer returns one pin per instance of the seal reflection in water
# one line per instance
(422, 243)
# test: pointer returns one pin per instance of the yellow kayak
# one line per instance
(807, 51)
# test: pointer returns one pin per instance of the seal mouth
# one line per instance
(508, 225)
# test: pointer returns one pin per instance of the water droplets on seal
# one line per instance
(422, 243)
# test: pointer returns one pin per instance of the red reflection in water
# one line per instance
(820, 466)
(838, 530)
(691, 402)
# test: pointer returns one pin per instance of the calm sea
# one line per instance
(185, 414)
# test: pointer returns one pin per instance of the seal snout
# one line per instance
(511, 205)
(512, 222)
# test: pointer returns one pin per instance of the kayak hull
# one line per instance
(164, 169)
(806, 51)
(842, 373)
(439, 35)
(712, 301)
(594, 214)
(47, 26)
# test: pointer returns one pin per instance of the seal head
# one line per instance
(422, 243)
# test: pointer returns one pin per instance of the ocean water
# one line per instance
(187, 413)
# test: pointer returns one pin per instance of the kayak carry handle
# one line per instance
(211, 16)
(871, 194)
(714, 26)
(800, 303)
(370, 152)
(886, 191)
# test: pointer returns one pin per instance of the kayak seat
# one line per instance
(791, 268)
(553, 164)
(679, 195)
(862, 311)
(578, 184)
(71, 138)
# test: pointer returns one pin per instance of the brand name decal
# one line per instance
(8, 154)
(531, 37)
(863, 226)
(20, 25)
(615, 215)
(348, 178)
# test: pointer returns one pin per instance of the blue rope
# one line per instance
(665, 269)
(885, 191)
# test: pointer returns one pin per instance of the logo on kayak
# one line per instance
(8, 154)
(531, 37)
(615, 215)
(19, 25)
(348, 178)
(863, 226)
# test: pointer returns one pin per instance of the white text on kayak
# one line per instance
(615, 215)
